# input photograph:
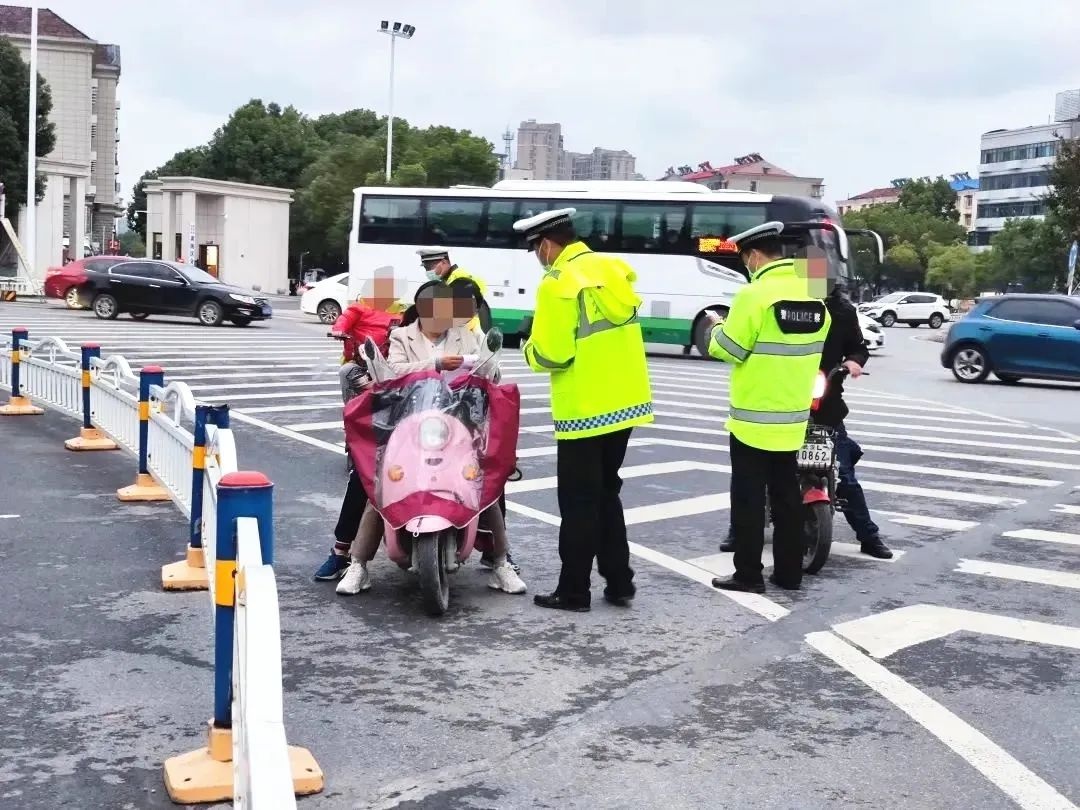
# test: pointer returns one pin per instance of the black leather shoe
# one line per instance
(787, 586)
(727, 545)
(733, 584)
(619, 599)
(875, 548)
(556, 601)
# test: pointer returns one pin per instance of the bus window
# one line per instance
(595, 223)
(718, 220)
(500, 224)
(530, 208)
(454, 222)
(653, 227)
(390, 220)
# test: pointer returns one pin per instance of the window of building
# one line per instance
(1022, 180)
(1028, 151)
(454, 222)
(753, 185)
(93, 132)
(980, 238)
(653, 227)
(1029, 310)
(1031, 208)
(387, 220)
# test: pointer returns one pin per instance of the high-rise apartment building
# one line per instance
(82, 197)
(540, 151)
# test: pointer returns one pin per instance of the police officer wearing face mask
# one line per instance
(437, 265)
(586, 335)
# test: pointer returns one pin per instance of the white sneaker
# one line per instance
(356, 579)
(504, 578)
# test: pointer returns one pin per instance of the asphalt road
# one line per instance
(946, 678)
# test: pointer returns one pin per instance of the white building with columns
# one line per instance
(82, 198)
(236, 231)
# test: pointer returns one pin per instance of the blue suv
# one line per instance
(1016, 336)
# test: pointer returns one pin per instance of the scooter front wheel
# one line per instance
(817, 536)
(434, 579)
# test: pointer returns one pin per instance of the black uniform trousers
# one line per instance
(592, 515)
(754, 471)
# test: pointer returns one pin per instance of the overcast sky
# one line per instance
(856, 91)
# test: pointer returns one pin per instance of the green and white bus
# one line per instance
(674, 235)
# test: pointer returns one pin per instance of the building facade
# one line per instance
(885, 195)
(542, 156)
(1014, 179)
(750, 173)
(82, 198)
(963, 185)
(235, 231)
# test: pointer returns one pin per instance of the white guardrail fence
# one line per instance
(186, 454)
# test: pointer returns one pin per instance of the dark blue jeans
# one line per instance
(848, 487)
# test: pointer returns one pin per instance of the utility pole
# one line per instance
(31, 151)
(403, 31)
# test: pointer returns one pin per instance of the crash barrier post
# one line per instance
(246, 757)
(189, 573)
(145, 487)
(90, 437)
(18, 405)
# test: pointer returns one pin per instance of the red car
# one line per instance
(63, 282)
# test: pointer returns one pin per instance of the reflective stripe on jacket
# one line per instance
(772, 381)
(586, 334)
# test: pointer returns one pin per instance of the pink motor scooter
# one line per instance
(433, 472)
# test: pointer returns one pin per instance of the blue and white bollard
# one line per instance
(18, 405)
(145, 487)
(89, 438)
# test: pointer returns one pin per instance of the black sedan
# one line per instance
(148, 287)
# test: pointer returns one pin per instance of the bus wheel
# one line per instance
(512, 341)
(701, 330)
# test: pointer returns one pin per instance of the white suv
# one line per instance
(912, 308)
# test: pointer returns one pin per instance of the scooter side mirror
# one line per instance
(370, 349)
(1076, 324)
(494, 339)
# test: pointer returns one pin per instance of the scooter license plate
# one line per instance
(816, 455)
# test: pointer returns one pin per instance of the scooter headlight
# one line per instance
(434, 434)
(819, 386)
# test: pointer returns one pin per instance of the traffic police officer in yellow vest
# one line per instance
(774, 334)
(437, 264)
(586, 335)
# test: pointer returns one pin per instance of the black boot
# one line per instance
(728, 543)
(557, 601)
(875, 548)
(733, 584)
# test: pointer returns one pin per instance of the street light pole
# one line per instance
(403, 31)
(31, 151)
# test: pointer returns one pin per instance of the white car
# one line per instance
(912, 308)
(871, 332)
(327, 299)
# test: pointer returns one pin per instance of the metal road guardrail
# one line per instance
(187, 454)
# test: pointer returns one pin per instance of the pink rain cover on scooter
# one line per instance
(491, 410)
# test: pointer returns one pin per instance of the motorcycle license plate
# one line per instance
(816, 454)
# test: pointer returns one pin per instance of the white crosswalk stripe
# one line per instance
(928, 469)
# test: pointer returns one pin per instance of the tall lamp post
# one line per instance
(31, 153)
(402, 31)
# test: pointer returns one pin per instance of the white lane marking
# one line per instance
(322, 392)
(263, 385)
(225, 351)
(944, 472)
(884, 634)
(553, 449)
(268, 379)
(1041, 535)
(1019, 573)
(963, 431)
(1003, 770)
(8, 517)
(338, 449)
(969, 443)
(926, 521)
(752, 601)
(313, 406)
(1066, 509)
(683, 507)
(632, 471)
(940, 494)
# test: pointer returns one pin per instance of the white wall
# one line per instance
(255, 247)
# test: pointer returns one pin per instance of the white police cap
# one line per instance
(432, 254)
(767, 230)
(533, 227)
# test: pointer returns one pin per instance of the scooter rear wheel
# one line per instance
(434, 579)
(817, 536)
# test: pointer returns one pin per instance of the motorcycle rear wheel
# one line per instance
(817, 536)
(434, 579)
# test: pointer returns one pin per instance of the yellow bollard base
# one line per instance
(20, 406)
(90, 439)
(186, 575)
(205, 776)
(144, 489)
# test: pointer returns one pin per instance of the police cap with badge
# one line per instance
(429, 255)
(533, 228)
(792, 317)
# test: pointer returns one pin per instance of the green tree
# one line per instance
(262, 144)
(132, 244)
(1063, 202)
(952, 271)
(14, 126)
(921, 234)
(1028, 252)
(186, 163)
(934, 198)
